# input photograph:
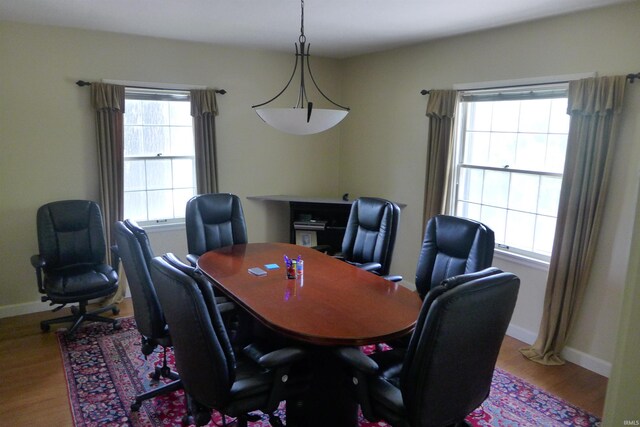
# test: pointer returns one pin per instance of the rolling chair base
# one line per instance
(163, 389)
(79, 315)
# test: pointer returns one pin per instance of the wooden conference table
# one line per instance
(332, 304)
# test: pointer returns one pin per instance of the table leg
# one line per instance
(328, 401)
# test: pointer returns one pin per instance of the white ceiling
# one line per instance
(334, 28)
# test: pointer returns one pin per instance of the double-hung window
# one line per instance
(509, 160)
(159, 156)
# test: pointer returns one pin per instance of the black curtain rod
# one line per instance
(630, 77)
(82, 83)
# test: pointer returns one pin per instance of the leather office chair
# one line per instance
(214, 377)
(213, 221)
(452, 246)
(371, 234)
(135, 252)
(446, 371)
(70, 267)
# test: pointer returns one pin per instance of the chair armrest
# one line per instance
(193, 259)
(394, 278)
(322, 248)
(369, 266)
(284, 356)
(355, 358)
(38, 262)
(115, 257)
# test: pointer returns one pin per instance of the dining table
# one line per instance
(329, 303)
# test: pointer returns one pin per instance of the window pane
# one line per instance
(496, 219)
(135, 205)
(495, 191)
(479, 116)
(549, 195)
(157, 140)
(470, 186)
(158, 174)
(180, 114)
(503, 149)
(534, 116)
(523, 192)
(155, 112)
(182, 142)
(531, 151)
(134, 143)
(469, 210)
(133, 112)
(183, 173)
(180, 199)
(160, 204)
(477, 148)
(520, 228)
(559, 121)
(545, 229)
(556, 153)
(134, 175)
(505, 116)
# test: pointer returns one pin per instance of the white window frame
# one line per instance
(167, 93)
(518, 91)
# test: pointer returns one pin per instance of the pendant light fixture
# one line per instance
(303, 118)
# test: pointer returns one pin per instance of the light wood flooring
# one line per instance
(33, 390)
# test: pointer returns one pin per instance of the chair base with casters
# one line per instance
(79, 314)
(159, 372)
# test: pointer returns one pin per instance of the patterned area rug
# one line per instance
(105, 369)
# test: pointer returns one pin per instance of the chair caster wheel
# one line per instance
(135, 407)
(44, 327)
(117, 326)
(165, 371)
(186, 420)
(115, 310)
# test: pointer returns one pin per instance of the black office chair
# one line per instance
(213, 221)
(452, 246)
(370, 235)
(214, 377)
(446, 371)
(135, 252)
(70, 267)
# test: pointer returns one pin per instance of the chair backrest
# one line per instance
(70, 232)
(371, 232)
(451, 357)
(135, 253)
(213, 221)
(452, 246)
(202, 349)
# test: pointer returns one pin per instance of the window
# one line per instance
(159, 156)
(510, 152)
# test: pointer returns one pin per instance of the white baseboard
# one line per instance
(570, 354)
(24, 308)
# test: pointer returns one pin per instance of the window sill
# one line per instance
(158, 228)
(522, 260)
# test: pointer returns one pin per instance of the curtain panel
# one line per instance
(594, 105)
(204, 108)
(108, 102)
(441, 109)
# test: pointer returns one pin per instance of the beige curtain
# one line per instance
(441, 111)
(108, 101)
(203, 110)
(594, 106)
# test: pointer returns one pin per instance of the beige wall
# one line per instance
(47, 138)
(383, 143)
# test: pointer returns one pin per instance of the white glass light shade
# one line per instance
(294, 120)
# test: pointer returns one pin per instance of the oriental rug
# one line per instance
(105, 369)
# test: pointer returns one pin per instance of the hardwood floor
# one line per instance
(33, 390)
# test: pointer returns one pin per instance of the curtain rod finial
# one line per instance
(221, 91)
(424, 92)
(82, 83)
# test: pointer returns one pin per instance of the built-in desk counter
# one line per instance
(315, 220)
